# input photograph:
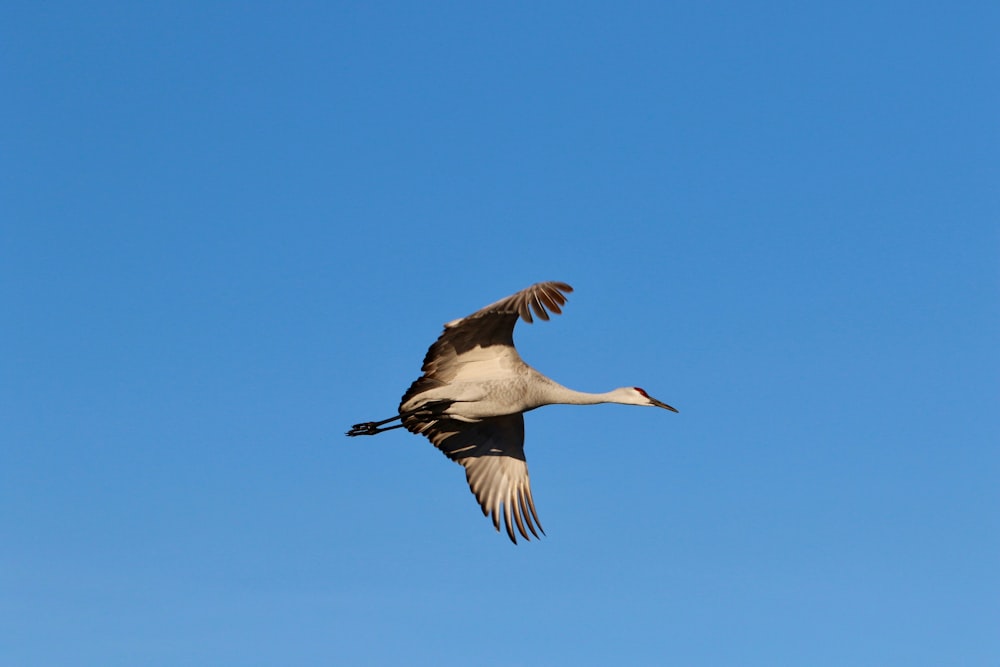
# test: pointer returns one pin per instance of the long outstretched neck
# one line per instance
(554, 393)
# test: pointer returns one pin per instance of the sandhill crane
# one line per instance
(472, 394)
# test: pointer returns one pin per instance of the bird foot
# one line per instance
(372, 428)
(366, 428)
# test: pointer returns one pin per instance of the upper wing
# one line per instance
(492, 452)
(536, 298)
(468, 340)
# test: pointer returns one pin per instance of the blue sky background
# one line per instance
(231, 230)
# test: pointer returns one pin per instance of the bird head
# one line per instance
(638, 396)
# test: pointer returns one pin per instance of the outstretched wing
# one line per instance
(485, 339)
(492, 452)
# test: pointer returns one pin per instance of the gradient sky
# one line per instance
(231, 230)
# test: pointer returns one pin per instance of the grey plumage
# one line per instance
(471, 396)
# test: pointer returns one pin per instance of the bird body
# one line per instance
(472, 394)
(519, 389)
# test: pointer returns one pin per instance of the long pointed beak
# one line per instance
(661, 404)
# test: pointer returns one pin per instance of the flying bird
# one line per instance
(471, 397)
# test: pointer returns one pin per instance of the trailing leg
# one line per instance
(426, 411)
(374, 428)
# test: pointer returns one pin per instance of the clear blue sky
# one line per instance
(231, 230)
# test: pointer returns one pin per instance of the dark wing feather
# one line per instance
(492, 453)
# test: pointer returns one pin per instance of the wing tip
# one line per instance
(544, 299)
